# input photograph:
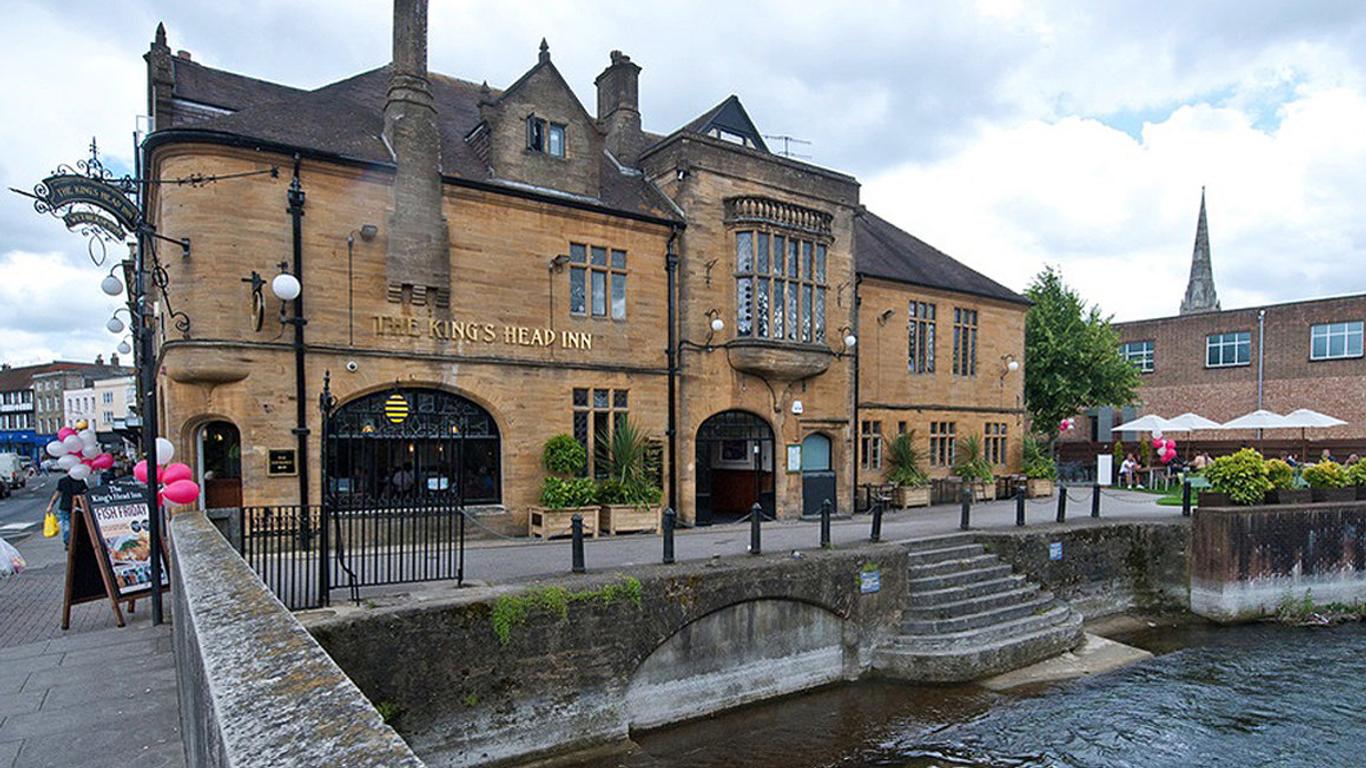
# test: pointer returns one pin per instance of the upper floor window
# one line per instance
(544, 136)
(1330, 341)
(779, 287)
(920, 337)
(597, 281)
(1140, 353)
(964, 341)
(1228, 349)
(108, 397)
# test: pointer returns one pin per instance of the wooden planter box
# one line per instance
(984, 491)
(1039, 487)
(907, 496)
(626, 518)
(549, 523)
(1213, 499)
(1289, 496)
(1334, 494)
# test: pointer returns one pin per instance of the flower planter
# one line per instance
(1289, 496)
(1334, 494)
(1039, 487)
(628, 518)
(549, 523)
(985, 491)
(1213, 499)
(908, 496)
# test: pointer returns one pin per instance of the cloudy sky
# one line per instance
(1009, 134)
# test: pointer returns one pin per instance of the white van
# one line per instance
(12, 470)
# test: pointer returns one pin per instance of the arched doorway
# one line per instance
(734, 467)
(818, 475)
(411, 443)
(219, 448)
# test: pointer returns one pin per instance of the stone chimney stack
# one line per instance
(619, 107)
(419, 262)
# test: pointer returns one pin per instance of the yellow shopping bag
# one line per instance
(50, 526)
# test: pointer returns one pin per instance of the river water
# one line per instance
(1255, 695)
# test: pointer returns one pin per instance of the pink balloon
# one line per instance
(103, 461)
(140, 471)
(174, 472)
(181, 492)
(65, 432)
(1158, 444)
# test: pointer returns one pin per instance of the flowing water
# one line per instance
(1256, 695)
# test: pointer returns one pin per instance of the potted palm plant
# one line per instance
(912, 484)
(1328, 482)
(565, 491)
(627, 499)
(1039, 469)
(974, 469)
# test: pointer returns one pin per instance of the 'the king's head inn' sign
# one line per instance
(69, 189)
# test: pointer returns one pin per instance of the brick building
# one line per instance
(1224, 363)
(503, 265)
(33, 398)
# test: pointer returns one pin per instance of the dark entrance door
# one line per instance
(734, 467)
(220, 465)
(818, 478)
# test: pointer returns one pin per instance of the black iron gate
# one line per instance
(399, 468)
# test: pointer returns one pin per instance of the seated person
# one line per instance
(1128, 472)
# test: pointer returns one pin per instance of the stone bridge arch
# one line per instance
(739, 653)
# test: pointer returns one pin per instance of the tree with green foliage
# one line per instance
(1072, 356)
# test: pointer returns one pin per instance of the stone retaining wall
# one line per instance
(1103, 569)
(500, 675)
(1245, 561)
(255, 688)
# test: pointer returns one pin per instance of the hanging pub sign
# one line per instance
(76, 219)
(67, 189)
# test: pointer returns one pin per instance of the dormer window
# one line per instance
(544, 136)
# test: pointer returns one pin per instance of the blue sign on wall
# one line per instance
(869, 581)
(1055, 550)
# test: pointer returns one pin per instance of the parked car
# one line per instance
(12, 470)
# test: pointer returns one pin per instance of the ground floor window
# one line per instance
(870, 445)
(994, 442)
(597, 411)
(943, 443)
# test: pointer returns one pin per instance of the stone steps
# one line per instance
(968, 616)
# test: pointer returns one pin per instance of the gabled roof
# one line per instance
(885, 251)
(729, 115)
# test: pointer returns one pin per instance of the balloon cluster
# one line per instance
(79, 453)
(1067, 424)
(1165, 447)
(173, 479)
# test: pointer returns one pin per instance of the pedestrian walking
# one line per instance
(67, 490)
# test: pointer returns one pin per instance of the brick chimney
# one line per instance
(619, 107)
(419, 263)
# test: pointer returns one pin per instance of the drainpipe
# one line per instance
(1261, 347)
(856, 426)
(671, 268)
(296, 214)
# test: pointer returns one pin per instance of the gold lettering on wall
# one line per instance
(480, 333)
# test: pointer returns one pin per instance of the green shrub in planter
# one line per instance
(1038, 465)
(1325, 474)
(564, 493)
(1356, 474)
(904, 459)
(970, 465)
(1281, 475)
(1242, 477)
(564, 456)
(613, 491)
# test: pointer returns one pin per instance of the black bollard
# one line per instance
(1095, 500)
(1020, 493)
(1062, 504)
(876, 534)
(825, 524)
(670, 519)
(756, 515)
(966, 496)
(1186, 498)
(576, 527)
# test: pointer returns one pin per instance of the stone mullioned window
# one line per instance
(597, 281)
(920, 332)
(964, 341)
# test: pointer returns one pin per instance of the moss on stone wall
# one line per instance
(511, 611)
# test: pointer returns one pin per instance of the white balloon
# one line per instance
(87, 436)
(79, 472)
(165, 451)
(90, 451)
(67, 461)
(1157, 434)
(73, 444)
(56, 448)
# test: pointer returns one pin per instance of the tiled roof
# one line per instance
(17, 379)
(882, 250)
(225, 90)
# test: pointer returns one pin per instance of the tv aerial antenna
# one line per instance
(788, 141)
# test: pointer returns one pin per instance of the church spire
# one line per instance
(1200, 295)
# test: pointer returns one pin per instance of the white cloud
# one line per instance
(53, 310)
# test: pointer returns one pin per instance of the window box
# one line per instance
(628, 518)
(549, 523)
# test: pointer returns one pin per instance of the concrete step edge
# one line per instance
(965, 607)
(974, 620)
(963, 577)
(1055, 615)
(938, 597)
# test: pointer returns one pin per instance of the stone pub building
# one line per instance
(483, 268)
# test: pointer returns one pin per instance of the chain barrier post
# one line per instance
(1062, 503)
(756, 515)
(670, 519)
(1021, 491)
(876, 533)
(1095, 500)
(576, 526)
(966, 496)
(1185, 498)
(825, 524)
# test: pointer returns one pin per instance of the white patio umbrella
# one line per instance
(1192, 421)
(1258, 419)
(1306, 418)
(1147, 423)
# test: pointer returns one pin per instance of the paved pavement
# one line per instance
(95, 695)
(504, 561)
